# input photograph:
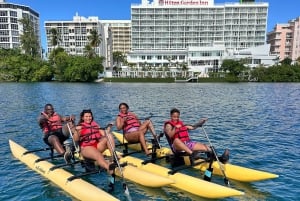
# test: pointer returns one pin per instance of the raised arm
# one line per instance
(120, 122)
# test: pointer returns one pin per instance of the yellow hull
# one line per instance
(185, 182)
(78, 188)
(142, 177)
(232, 171)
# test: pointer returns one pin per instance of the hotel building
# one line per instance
(197, 33)
(10, 27)
(285, 39)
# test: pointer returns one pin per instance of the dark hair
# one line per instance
(84, 112)
(174, 110)
(48, 105)
(125, 104)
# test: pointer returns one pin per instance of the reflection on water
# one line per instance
(259, 123)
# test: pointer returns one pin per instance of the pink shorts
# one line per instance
(190, 144)
(132, 129)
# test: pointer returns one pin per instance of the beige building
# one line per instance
(121, 34)
(285, 40)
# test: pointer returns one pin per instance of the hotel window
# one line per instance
(3, 13)
(181, 57)
(5, 26)
(3, 19)
(13, 13)
(13, 20)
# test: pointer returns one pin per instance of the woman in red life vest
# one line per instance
(134, 131)
(178, 134)
(54, 132)
(92, 140)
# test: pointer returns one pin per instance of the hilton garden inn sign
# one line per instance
(185, 2)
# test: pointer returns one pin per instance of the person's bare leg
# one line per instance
(180, 146)
(54, 141)
(94, 154)
(137, 136)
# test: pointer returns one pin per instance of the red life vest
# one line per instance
(131, 121)
(52, 124)
(89, 134)
(181, 133)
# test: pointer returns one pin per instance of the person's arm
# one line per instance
(76, 134)
(170, 130)
(120, 122)
(199, 124)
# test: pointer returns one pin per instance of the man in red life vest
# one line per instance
(179, 137)
(134, 131)
(54, 132)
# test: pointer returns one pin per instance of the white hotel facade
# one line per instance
(197, 33)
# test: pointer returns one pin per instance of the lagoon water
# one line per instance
(258, 122)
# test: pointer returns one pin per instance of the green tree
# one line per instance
(29, 39)
(82, 69)
(55, 37)
(286, 61)
(233, 67)
(95, 39)
(89, 51)
(118, 58)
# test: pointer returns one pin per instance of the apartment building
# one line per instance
(195, 32)
(285, 39)
(10, 27)
(117, 38)
(73, 34)
(120, 33)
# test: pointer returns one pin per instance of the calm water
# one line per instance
(258, 122)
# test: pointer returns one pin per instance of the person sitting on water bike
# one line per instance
(180, 140)
(134, 131)
(55, 134)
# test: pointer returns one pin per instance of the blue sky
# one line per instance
(280, 11)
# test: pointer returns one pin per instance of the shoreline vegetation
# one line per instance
(61, 67)
(25, 64)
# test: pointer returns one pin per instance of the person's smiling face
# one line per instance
(175, 116)
(87, 118)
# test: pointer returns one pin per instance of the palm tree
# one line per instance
(118, 57)
(89, 51)
(95, 39)
(29, 39)
(55, 38)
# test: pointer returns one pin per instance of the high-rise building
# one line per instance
(117, 38)
(285, 39)
(10, 27)
(120, 33)
(73, 35)
(195, 32)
